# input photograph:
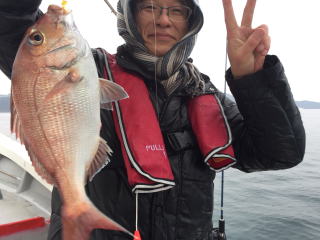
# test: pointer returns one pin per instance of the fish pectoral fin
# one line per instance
(15, 123)
(100, 160)
(65, 84)
(38, 166)
(110, 92)
(107, 106)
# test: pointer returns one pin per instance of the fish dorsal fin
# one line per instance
(39, 168)
(110, 92)
(100, 160)
(15, 124)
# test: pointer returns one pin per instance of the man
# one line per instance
(266, 132)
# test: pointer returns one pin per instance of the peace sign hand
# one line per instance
(247, 47)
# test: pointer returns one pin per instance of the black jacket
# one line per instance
(266, 126)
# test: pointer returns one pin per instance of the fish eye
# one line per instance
(36, 38)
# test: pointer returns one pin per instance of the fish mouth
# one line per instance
(73, 53)
(57, 10)
(71, 45)
(66, 62)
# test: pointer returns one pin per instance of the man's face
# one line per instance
(160, 33)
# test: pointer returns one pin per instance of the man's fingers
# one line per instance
(264, 27)
(264, 46)
(268, 45)
(230, 19)
(258, 65)
(266, 39)
(260, 48)
(260, 54)
(254, 40)
(248, 13)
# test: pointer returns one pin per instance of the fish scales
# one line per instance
(56, 113)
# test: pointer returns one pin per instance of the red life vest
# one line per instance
(142, 144)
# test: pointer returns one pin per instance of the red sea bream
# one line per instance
(56, 99)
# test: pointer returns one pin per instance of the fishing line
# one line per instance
(137, 210)
(225, 70)
(155, 63)
(222, 235)
(221, 220)
(137, 233)
(155, 51)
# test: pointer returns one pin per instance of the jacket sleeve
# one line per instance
(266, 125)
(15, 18)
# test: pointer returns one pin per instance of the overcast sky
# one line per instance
(293, 24)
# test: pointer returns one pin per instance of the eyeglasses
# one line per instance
(175, 13)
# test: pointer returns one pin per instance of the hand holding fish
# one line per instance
(247, 47)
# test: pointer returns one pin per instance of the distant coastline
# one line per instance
(5, 103)
(308, 104)
(305, 104)
(301, 104)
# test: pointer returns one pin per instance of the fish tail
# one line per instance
(80, 219)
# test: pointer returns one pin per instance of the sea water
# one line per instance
(277, 205)
(5, 123)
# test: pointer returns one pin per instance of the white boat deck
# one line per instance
(23, 194)
(14, 208)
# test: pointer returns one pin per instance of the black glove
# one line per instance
(15, 18)
(19, 6)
